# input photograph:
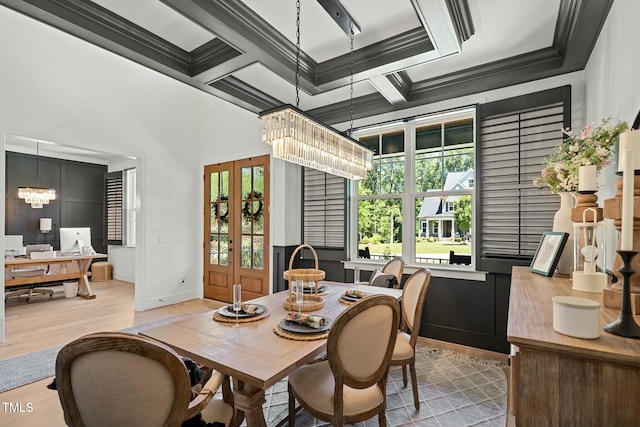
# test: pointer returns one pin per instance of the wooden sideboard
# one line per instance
(558, 380)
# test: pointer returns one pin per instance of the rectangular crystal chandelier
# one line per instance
(36, 196)
(299, 138)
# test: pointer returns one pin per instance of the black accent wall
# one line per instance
(459, 311)
(79, 198)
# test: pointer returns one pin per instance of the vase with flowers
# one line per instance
(591, 146)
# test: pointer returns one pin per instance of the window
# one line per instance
(423, 174)
(120, 205)
(130, 207)
(113, 206)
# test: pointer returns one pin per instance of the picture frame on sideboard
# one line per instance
(548, 253)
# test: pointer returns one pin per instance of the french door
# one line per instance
(236, 228)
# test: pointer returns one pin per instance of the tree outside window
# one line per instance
(437, 181)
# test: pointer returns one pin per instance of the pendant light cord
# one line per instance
(298, 53)
(37, 163)
(351, 78)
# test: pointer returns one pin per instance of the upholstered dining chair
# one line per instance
(121, 379)
(394, 267)
(414, 293)
(350, 384)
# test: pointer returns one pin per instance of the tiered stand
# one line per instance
(311, 301)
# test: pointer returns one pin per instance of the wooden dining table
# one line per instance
(252, 353)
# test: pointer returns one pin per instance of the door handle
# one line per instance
(230, 249)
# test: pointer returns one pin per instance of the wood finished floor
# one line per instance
(43, 323)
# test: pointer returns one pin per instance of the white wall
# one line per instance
(613, 86)
(59, 88)
(613, 74)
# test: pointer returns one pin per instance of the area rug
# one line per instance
(38, 365)
(455, 390)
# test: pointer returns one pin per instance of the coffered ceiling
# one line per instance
(406, 52)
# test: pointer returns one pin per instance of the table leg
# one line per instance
(249, 400)
(84, 288)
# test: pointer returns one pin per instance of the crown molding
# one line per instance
(246, 94)
(210, 55)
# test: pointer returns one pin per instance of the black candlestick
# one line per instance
(625, 325)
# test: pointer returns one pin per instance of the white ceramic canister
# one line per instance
(576, 317)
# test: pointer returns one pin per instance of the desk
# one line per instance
(558, 380)
(83, 263)
(252, 353)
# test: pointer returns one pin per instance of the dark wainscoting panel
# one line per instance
(468, 312)
(329, 260)
(79, 198)
(459, 311)
(464, 312)
(281, 256)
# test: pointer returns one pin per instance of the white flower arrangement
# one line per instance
(592, 146)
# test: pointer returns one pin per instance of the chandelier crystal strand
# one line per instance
(299, 138)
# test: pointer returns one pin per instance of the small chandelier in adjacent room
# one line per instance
(37, 196)
(299, 138)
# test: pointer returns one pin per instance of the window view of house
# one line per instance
(423, 173)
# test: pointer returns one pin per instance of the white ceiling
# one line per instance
(244, 50)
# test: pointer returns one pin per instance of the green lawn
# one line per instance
(421, 248)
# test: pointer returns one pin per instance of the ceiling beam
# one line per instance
(246, 94)
(341, 16)
(395, 87)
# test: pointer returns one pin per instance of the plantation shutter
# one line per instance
(324, 209)
(114, 193)
(516, 136)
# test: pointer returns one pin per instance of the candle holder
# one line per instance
(625, 325)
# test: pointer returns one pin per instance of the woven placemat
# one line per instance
(298, 337)
(344, 301)
(224, 319)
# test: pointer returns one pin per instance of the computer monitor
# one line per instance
(72, 240)
(13, 245)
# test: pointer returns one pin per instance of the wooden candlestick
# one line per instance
(586, 200)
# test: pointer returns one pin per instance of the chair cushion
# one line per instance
(314, 384)
(402, 350)
(382, 280)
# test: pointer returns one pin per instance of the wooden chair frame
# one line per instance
(413, 329)
(184, 407)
